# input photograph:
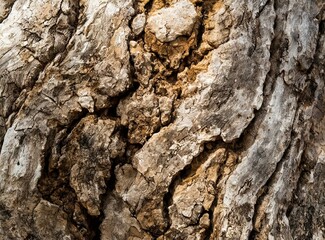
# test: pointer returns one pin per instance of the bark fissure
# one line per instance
(264, 191)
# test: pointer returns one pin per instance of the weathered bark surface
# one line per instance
(152, 119)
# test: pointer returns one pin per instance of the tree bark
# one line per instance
(162, 119)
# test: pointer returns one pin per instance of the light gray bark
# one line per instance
(162, 119)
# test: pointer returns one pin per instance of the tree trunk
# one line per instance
(162, 119)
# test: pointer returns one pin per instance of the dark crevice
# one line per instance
(51, 141)
(110, 112)
(170, 75)
(188, 171)
(31, 237)
(262, 9)
(167, 202)
(318, 55)
(194, 57)
(92, 222)
(216, 198)
(148, 6)
(303, 172)
(264, 191)
(54, 184)
(208, 6)
(96, 221)
(76, 121)
(305, 168)
(253, 234)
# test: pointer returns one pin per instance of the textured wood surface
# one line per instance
(162, 119)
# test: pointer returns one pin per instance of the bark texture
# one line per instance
(162, 119)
